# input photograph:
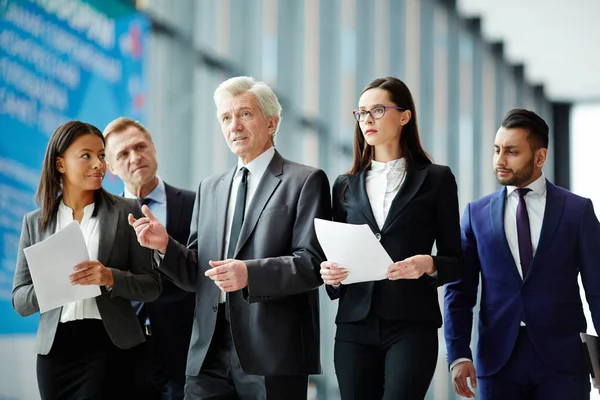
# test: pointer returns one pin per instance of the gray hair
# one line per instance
(265, 97)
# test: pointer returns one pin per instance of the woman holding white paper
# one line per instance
(386, 343)
(85, 348)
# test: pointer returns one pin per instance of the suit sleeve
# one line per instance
(339, 215)
(447, 231)
(24, 299)
(141, 282)
(298, 272)
(589, 259)
(180, 263)
(460, 296)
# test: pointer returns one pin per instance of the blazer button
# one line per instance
(215, 308)
(378, 236)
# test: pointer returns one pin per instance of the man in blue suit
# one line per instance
(528, 242)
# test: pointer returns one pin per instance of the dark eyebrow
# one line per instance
(372, 107)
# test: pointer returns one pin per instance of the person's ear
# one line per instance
(405, 118)
(540, 157)
(60, 165)
(272, 124)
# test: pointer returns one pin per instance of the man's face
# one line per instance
(131, 156)
(247, 132)
(515, 163)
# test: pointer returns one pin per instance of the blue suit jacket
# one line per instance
(547, 300)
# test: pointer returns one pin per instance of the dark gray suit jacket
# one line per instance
(275, 319)
(119, 250)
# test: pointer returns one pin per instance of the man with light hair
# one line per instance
(253, 259)
(131, 155)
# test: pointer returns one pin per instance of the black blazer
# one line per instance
(424, 211)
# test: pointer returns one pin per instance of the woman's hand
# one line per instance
(411, 268)
(92, 273)
(332, 274)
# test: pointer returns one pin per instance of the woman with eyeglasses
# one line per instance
(386, 343)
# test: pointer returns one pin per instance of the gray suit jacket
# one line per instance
(119, 250)
(275, 319)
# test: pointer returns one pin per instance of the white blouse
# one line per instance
(91, 233)
(383, 183)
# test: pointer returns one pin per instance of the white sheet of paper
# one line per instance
(355, 248)
(50, 264)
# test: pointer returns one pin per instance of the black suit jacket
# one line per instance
(424, 211)
(275, 319)
(171, 315)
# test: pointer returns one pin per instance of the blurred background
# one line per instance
(467, 63)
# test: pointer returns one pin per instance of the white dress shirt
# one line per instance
(535, 200)
(256, 170)
(82, 309)
(383, 183)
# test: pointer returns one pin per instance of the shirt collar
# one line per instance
(66, 211)
(538, 187)
(259, 165)
(158, 195)
(397, 165)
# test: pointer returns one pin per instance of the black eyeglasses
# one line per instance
(375, 112)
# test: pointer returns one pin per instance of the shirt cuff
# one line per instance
(157, 258)
(434, 275)
(458, 361)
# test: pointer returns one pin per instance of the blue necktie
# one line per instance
(140, 310)
(524, 232)
(144, 201)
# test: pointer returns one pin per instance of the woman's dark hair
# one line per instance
(50, 188)
(409, 142)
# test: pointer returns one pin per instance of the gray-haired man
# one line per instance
(253, 259)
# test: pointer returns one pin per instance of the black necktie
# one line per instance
(238, 214)
(524, 232)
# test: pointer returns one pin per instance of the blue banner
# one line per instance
(59, 60)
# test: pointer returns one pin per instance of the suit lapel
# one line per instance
(357, 185)
(174, 207)
(50, 228)
(222, 194)
(497, 205)
(414, 179)
(264, 191)
(555, 202)
(108, 220)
